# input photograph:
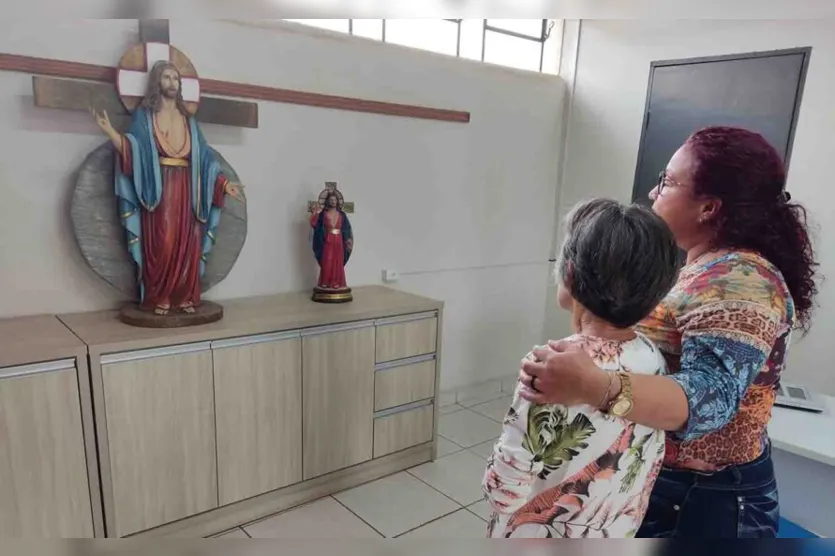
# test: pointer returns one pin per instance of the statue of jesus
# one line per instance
(170, 191)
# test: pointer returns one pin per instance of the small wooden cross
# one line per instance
(330, 187)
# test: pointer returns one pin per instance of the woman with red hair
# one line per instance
(724, 329)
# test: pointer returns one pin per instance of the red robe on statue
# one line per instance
(171, 234)
(332, 264)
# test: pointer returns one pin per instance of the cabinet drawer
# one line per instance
(397, 431)
(406, 337)
(404, 384)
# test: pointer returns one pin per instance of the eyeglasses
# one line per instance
(665, 181)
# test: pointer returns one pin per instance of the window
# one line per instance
(527, 44)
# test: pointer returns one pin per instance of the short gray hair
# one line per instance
(617, 261)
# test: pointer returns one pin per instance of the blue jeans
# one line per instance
(738, 502)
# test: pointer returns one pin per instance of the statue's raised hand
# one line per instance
(103, 121)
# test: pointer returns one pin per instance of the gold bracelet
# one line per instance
(608, 389)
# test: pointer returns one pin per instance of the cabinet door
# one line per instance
(43, 472)
(161, 435)
(258, 393)
(338, 393)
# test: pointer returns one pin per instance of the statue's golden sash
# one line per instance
(180, 162)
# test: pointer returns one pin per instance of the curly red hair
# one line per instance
(742, 170)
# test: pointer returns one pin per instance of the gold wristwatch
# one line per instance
(622, 404)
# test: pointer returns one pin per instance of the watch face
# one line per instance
(621, 407)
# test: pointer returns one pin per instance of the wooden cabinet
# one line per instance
(408, 381)
(338, 397)
(201, 429)
(44, 489)
(402, 428)
(406, 336)
(159, 407)
(258, 397)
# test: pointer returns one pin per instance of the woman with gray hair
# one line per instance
(562, 471)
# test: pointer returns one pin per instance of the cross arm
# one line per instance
(68, 94)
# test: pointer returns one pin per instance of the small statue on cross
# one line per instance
(333, 242)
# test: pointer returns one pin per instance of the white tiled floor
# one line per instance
(441, 499)
(322, 519)
(460, 525)
(467, 428)
(496, 409)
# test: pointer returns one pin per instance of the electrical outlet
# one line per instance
(390, 276)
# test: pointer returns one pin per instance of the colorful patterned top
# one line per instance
(724, 330)
(559, 472)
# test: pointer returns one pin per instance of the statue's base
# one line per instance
(322, 295)
(207, 312)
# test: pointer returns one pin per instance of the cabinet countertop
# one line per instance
(103, 332)
(27, 340)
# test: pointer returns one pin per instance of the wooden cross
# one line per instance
(78, 85)
(68, 94)
(330, 187)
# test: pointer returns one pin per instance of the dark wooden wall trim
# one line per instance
(57, 68)
(92, 72)
(259, 92)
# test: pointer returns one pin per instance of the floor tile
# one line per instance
(322, 519)
(236, 533)
(509, 384)
(467, 428)
(460, 525)
(482, 509)
(447, 398)
(480, 394)
(443, 410)
(396, 504)
(496, 409)
(457, 475)
(484, 450)
(447, 447)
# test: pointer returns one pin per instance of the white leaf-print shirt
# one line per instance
(576, 472)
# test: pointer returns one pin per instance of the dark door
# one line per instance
(759, 91)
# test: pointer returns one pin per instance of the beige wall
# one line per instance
(605, 127)
(457, 209)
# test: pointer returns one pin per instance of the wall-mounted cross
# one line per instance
(331, 187)
(93, 84)
(50, 92)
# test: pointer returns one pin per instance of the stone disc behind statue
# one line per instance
(101, 237)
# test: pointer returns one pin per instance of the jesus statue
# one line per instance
(170, 191)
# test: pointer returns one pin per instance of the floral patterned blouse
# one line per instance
(561, 472)
(724, 330)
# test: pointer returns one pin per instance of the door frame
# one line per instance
(805, 51)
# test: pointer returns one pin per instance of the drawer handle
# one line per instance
(404, 408)
(252, 340)
(152, 353)
(336, 328)
(404, 362)
(406, 318)
(37, 368)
